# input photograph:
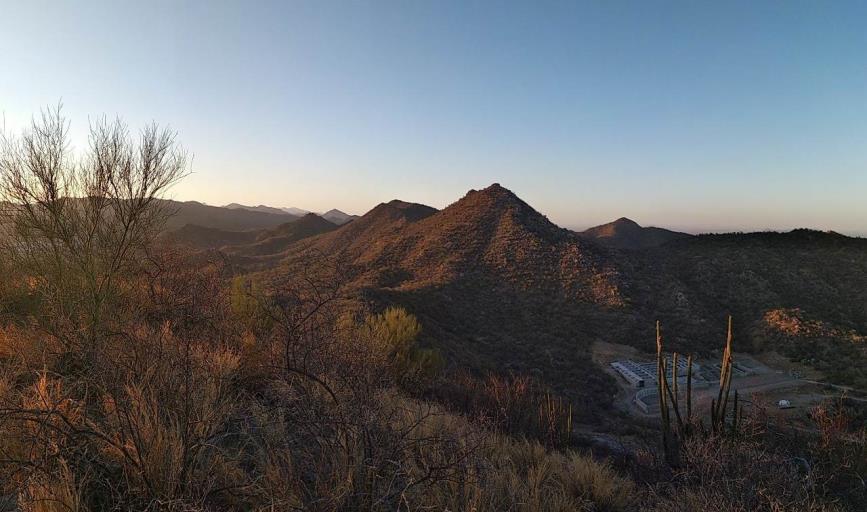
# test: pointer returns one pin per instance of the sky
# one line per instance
(700, 116)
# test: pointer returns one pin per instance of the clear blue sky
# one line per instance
(692, 115)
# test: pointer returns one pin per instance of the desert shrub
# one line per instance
(412, 455)
(527, 475)
(394, 333)
(512, 404)
(186, 291)
(60, 492)
(840, 454)
(147, 430)
(165, 422)
(249, 305)
(729, 474)
(17, 300)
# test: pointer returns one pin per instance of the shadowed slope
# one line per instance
(279, 239)
(695, 282)
(199, 237)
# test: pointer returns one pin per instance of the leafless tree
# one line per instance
(74, 225)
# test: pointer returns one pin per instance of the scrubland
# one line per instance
(138, 376)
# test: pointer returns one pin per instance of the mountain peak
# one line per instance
(337, 217)
(494, 198)
(497, 211)
(495, 190)
(625, 221)
(625, 233)
(312, 217)
(397, 209)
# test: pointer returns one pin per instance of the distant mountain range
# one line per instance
(216, 217)
(295, 211)
(263, 208)
(334, 216)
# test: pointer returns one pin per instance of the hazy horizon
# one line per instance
(735, 117)
(721, 228)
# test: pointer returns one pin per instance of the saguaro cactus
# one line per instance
(660, 391)
(718, 407)
(689, 390)
(669, 398)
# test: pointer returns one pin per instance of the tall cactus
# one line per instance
(669, 397)
(718, 409)
(689, 390)
(674, 377)
(661, 385)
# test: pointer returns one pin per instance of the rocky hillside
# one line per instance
(692, 284)
(489, 234)
(840, 353)
(496, 285)
(369, 238)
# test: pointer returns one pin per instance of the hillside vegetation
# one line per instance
(839, 353)
(693, 283)
(497, 285)
(411, 359)
(135, 377)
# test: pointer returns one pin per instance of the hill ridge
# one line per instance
(625, 233)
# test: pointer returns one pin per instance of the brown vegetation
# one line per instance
(136, 376)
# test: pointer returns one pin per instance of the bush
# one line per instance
(249, 305)
(513, 404)
(393, 333)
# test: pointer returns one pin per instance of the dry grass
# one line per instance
(58, 493)
(529, 477)
(170, 423)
